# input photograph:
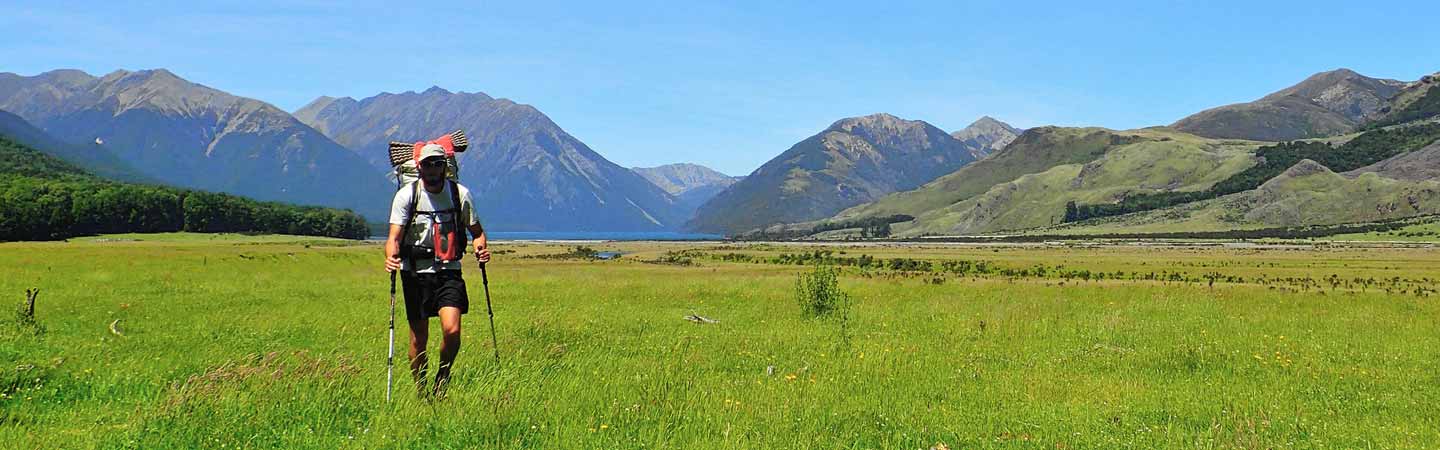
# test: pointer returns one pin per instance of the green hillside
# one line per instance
(1424, 106)
(1308, 193)
(1365, 149)
(1156, 160)
(93, 158)
(43, 198)
(1034, 151)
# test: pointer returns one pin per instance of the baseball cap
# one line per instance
(431, 150)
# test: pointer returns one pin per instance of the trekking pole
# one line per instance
(390, 355)
(485, 281)
(390, 358)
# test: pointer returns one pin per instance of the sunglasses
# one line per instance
(433, 163)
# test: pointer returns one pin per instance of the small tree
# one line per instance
(1072, 212)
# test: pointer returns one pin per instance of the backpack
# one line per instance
(447, 244)
(404, 157)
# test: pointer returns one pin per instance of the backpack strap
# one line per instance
(463, 232)
(405, 243)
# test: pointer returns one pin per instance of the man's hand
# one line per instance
(392, 249)
(481, 243)
(482, 254)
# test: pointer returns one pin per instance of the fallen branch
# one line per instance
(700, 319)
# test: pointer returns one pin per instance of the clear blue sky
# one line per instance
(730, 85)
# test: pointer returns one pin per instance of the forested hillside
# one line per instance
(45, 198)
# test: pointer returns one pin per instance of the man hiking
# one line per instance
(428, 219)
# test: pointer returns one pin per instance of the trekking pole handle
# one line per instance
(484, 279)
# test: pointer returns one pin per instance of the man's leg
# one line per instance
(449, 346)
(419, 337)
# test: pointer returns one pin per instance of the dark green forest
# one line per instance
(870, 227)
(45, 198)
(1365, 149)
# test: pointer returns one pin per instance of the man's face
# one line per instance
(432, 170)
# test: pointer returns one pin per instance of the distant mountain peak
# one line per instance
(1318, 85)
(312, 112)
(987, 121)
(855, 160)
(158, 72)
(682, 166)
(165, 92)
(987, 135)
(323, 101)
(875, 121)
(1324, 104)
(66, 75)
(691, 184)
(680, 177)
(433, 92)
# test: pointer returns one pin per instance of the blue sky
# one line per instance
(732, 84)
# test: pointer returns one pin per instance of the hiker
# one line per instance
(427, 253)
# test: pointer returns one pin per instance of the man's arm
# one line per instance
(392, 248)
(482, 247)
(399, 210)
(482, 243)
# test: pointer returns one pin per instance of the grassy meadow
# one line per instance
(206, 341)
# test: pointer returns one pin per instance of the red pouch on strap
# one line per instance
(447, 244)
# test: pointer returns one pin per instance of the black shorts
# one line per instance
(426, 293)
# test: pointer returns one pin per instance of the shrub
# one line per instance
(818, 292)
(819, 296)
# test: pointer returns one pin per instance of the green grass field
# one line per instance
(246, 341)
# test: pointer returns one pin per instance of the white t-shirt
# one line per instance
(421, 233)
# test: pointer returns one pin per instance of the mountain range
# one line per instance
(527, 173)
(1195, 175)
(189, 135)
(1362, 143)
